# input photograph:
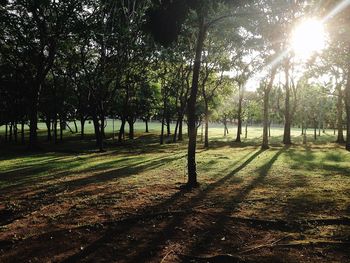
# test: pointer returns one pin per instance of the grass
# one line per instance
(60, 203)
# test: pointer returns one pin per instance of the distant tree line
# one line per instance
(171, 61)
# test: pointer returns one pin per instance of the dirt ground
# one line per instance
(280, 205)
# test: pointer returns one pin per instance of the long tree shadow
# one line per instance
(167, 231)
(45, 195)
(223, 217)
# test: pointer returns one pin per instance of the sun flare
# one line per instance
(307, 38)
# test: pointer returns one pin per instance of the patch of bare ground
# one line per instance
(251, 208)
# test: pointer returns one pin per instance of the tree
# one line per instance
(165, 21)
(35, 30)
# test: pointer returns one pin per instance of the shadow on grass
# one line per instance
(308, 160)
(45, 194)
(167, 231)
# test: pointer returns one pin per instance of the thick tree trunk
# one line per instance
(265, 142)
(287, 115)
(98, 134)
(48, 127)
(340, 138)
(269, 128)
(103, 126)
(191, 108)
(146, 123)
(131, 129)
(82, 127)
(180, 133)
(121, 130)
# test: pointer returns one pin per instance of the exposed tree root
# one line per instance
(166, 255)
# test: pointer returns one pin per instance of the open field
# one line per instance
(73, 204)
(216, 131)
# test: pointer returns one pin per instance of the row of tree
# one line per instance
(171, 60)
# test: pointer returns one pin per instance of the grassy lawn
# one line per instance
(73, 204)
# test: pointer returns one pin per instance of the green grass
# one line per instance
(70, 185)
(215, 132)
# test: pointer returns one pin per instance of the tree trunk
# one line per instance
(302, 128)
(163, 115)
(146, 123)
(287, 116)
(103, 125)
(48, 127)
(98, 134)
(103, 122)
(176, 130)
(62, 127)
(265, 142)
(347, 106)
(75, 126)
(340, 138)
(82, 127)
(269, 128)
(55, 130)
(191, 108)
(246, 130)
(6, 132)
(22, 132)
(180, 133)
(206, 129)
(315, 130)
(239, 126)
(319, 129)
(15, 131)
(225, 128)
(121, 130)
(168, 123)
(131, 129)
(162, 131)
(10, 132)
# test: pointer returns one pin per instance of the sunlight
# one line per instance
(307, 38)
